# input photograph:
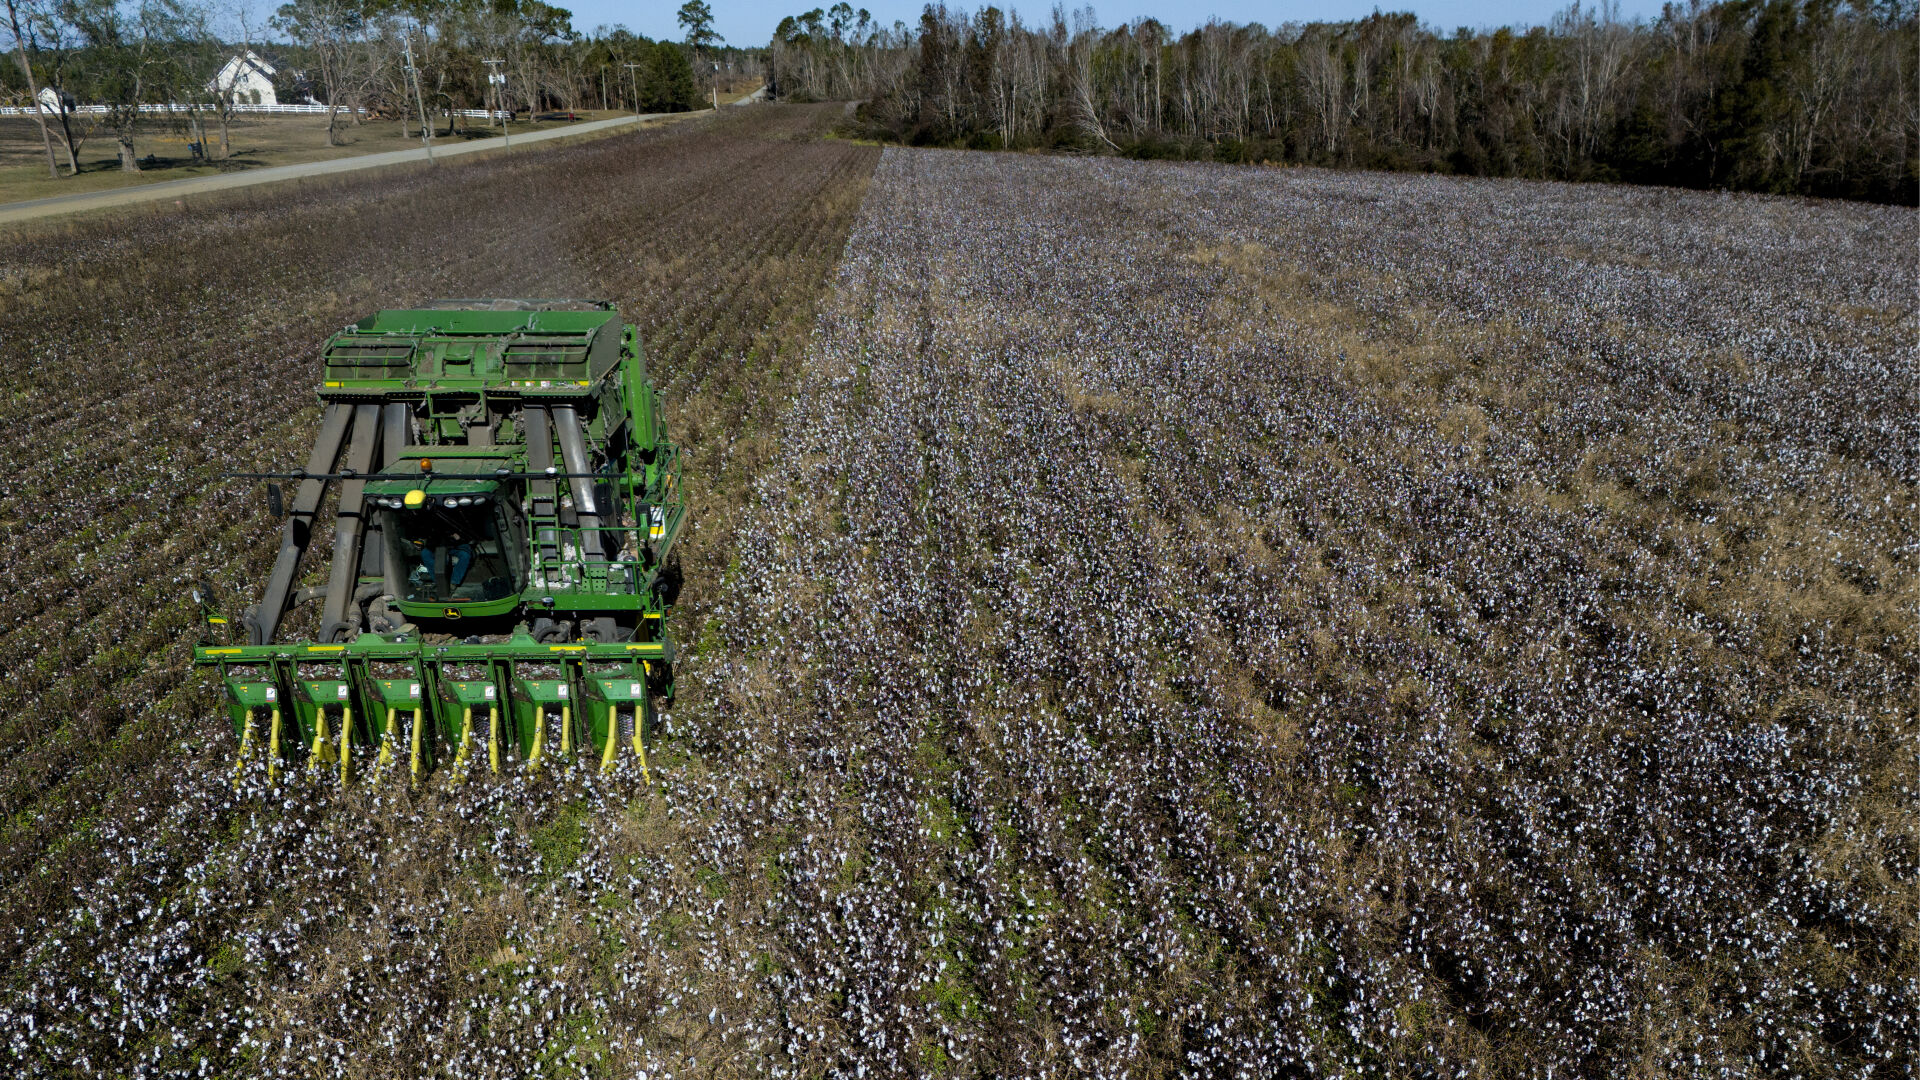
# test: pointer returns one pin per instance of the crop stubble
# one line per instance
(1189, 620)
(149, 354)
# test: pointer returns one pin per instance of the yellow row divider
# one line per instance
(539, 735)
(493, 738)
(346, 742)
(322, 751)
(641, 709)
(566, 731)
(466, 743)
(613, 737)
(640, 726)
(386, 747)
(273, 746)
(416, 746)
(246, 747)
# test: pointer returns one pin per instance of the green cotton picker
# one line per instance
(501, 563)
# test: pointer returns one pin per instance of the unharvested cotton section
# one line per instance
(1240, 622)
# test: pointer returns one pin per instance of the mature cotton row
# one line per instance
(1211, 648)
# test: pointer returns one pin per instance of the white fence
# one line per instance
(96, 110)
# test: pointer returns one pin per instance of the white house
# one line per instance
(50, 101)
(249, 78)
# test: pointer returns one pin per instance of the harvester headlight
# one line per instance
(416, 499)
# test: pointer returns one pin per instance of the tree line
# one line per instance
(1811, 97)
(419, 61)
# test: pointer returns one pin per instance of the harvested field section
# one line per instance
(155, 921)
(1229, 622)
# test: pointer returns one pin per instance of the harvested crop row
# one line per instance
(137, 880)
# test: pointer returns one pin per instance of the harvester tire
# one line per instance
(604, 629)
(670, 580)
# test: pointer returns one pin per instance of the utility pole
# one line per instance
(33, 88)
(413, 76)
(498, 81)
(634, 82)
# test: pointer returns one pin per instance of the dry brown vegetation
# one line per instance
(1145, 620)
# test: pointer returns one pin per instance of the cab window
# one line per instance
(453, 554)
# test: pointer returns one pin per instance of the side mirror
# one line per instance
(215, 623)
(276, 502)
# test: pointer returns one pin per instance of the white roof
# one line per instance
(249, 59)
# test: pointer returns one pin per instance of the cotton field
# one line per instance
(1142, 620)
(1262, 623)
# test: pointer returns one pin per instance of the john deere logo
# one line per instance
(451, 613)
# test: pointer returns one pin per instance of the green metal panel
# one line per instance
(623, 688)
(313, 695)
(530, 698)
(457, 696)
(480, 693)
(398, 693)
(254, 694)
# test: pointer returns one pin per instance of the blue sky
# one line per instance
(751, 22)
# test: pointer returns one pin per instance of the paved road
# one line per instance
(173, 189)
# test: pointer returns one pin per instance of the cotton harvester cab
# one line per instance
(500, 571)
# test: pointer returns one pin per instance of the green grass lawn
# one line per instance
(256, 142)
